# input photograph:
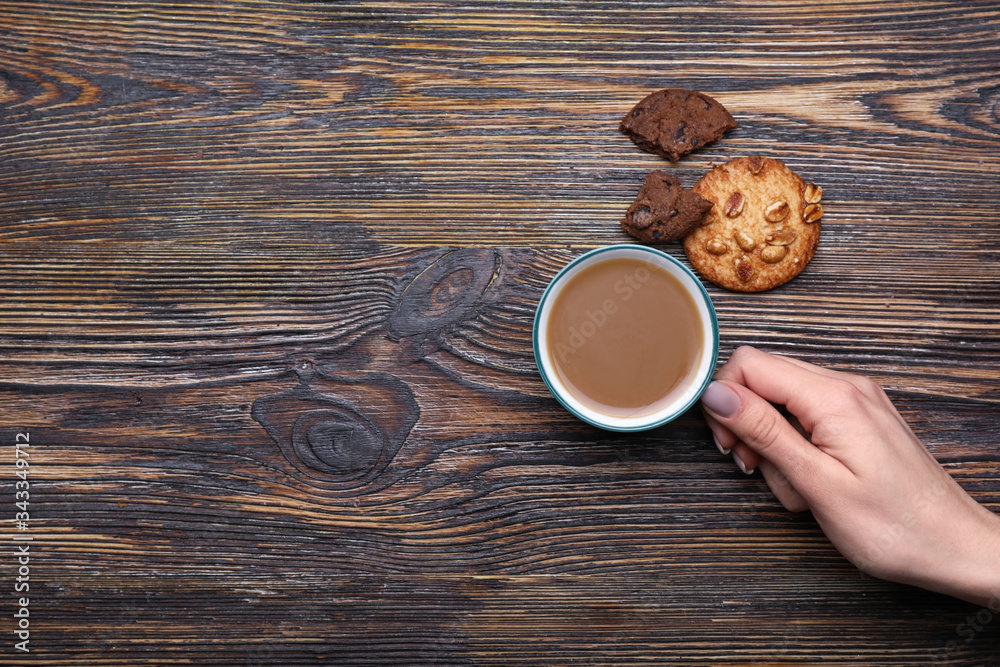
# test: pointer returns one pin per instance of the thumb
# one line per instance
(760, 426)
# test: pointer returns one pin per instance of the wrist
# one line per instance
(974, 575)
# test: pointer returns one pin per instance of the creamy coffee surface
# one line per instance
(625, 337)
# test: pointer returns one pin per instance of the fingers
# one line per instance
(799, 386)
(782, 488)
(723, 437)
(745, 458)
(729, 445)
(765, 409)
(748, 461)
(757, 425)
(819, 370)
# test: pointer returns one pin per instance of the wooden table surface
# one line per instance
(267, 276)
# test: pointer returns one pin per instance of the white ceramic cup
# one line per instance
(696, 383)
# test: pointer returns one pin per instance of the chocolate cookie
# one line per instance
(663, 211)
(763, 227)
(674, 122)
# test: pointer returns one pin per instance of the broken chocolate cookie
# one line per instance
(673, 122)
(663, 211)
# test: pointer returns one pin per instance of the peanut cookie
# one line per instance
(674, 122)
(663, 211)
(763, 227)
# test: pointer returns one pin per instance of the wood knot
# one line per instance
(447, 292)
(319, 425)
(341, 440)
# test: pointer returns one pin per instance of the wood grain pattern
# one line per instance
(267, 278)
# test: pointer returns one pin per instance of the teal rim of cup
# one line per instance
(707, 300)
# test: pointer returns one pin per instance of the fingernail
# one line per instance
(743, 466)
(722, 450)
(720, 399)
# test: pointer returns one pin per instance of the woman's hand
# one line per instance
(835, 445)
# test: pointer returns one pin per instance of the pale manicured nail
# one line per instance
(743, 466)
(722, 450)
(720, 399)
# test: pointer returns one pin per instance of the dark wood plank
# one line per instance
(267, 278)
